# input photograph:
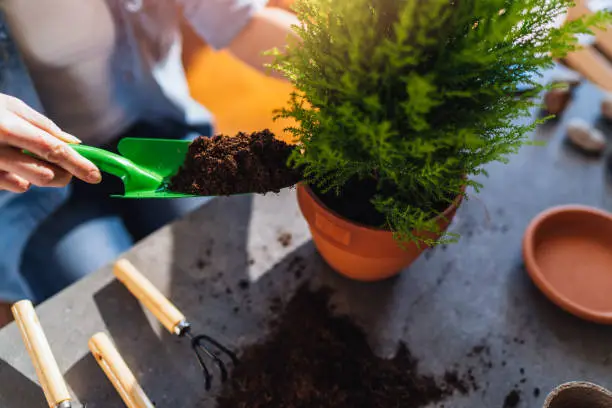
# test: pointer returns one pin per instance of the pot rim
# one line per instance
(575, 384)
(452, 206)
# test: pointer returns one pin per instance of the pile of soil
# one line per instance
(314, 359)
(244, 163)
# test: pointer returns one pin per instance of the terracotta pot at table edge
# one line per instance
(360, 252)
(579, 394)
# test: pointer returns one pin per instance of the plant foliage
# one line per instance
(417, 94)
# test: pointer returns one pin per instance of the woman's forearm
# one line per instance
(270, 28)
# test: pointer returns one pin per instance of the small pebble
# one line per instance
(585, 136)
(556, 100)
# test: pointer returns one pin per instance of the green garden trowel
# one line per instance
(145, 166)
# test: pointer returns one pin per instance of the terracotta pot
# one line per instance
(568, 255)
(357, 251)
(579, 395)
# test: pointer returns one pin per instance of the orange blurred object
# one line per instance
(240, 98)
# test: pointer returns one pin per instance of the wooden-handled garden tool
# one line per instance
(173, 320)
(49, 375)
(118, 372)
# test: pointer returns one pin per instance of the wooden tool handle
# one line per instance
(49, 375)
(149, 295)
(117, 372)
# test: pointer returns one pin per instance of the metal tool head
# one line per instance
(68, 404)
(207, 348)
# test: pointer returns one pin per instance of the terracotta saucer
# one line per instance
(568, 254)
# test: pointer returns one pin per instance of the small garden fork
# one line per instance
(204, 346)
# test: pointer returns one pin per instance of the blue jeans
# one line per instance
(52, 237)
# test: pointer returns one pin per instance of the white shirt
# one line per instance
(101, 65)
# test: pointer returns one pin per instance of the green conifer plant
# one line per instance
(399, 103)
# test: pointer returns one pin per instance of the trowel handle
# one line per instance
(108, 162)
(49, 375)
(117, 372)
(134, 177)
(149, 295)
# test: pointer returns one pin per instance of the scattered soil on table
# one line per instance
(297, 266)
(204, 261)
(479, 349)
(285, 239)
(315, 359)
(512, 399)
(244, 163)
(472, 380)
(536, 392)
(452, 379)
(276, 304)
(354, 201)
(482, 352)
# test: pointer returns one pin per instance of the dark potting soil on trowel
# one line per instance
(244, 163)
(313, 359)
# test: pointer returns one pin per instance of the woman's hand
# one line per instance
(22, 128)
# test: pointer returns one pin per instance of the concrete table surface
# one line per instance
(451, 300)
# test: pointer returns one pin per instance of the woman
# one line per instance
(103, 69)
